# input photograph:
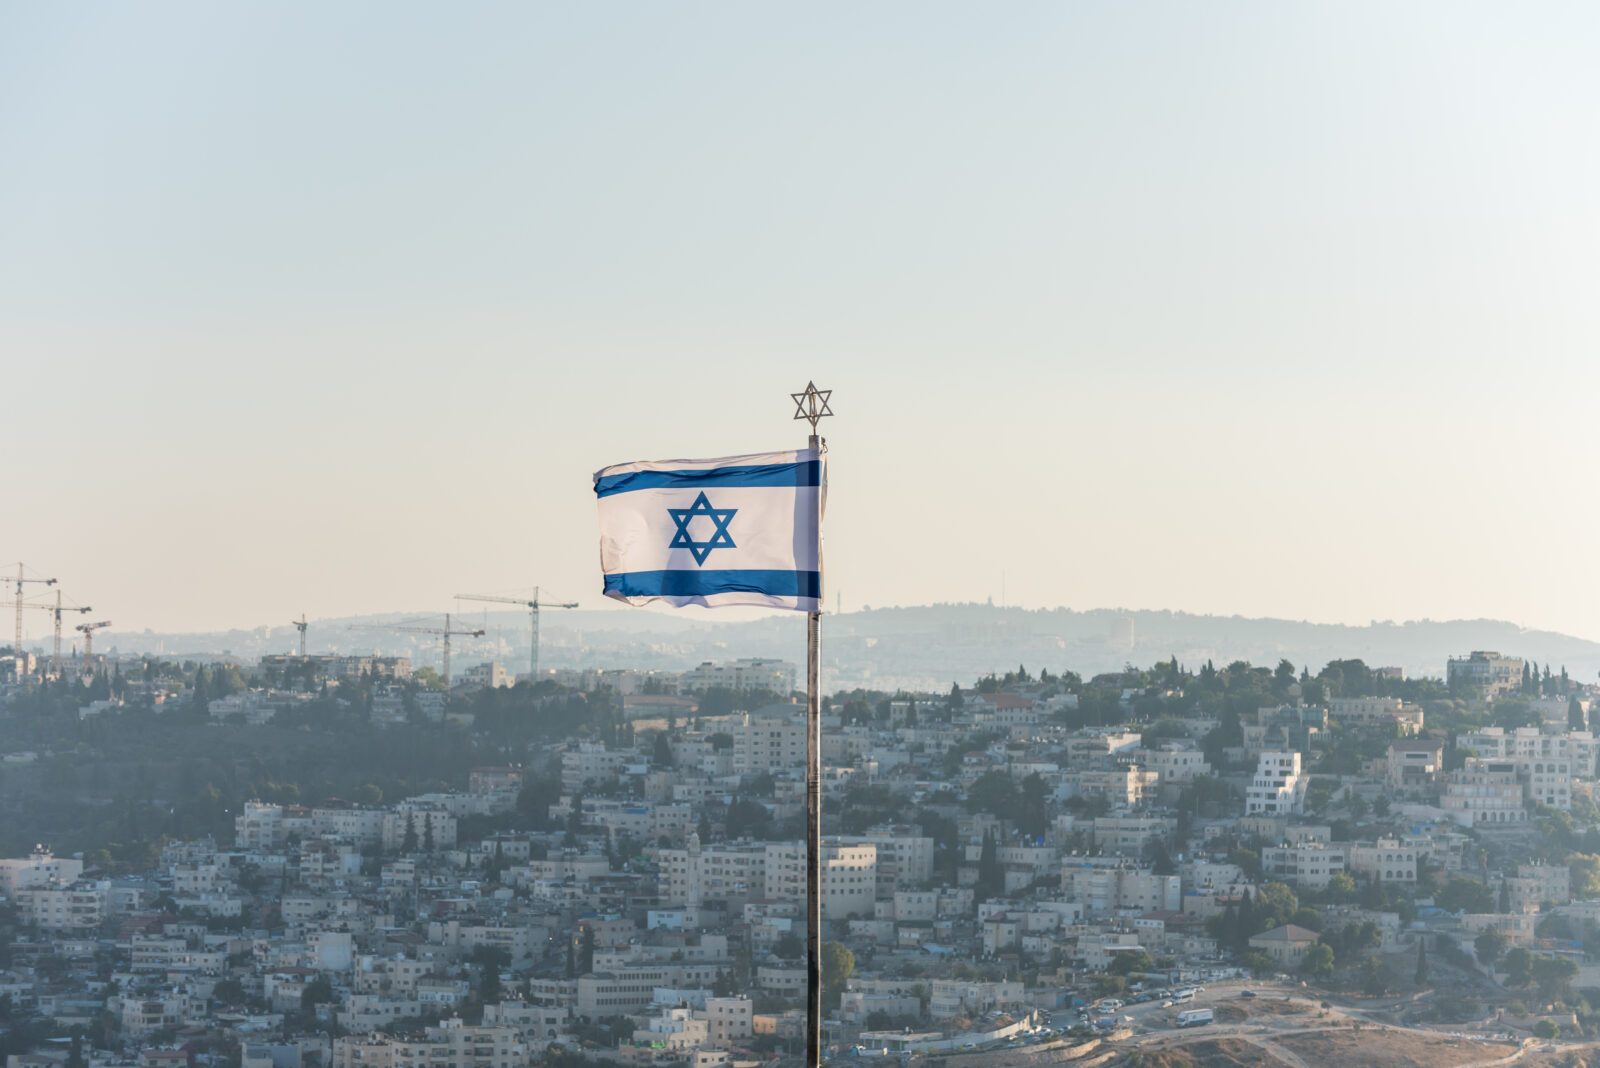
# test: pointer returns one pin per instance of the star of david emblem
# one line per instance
(720, 538)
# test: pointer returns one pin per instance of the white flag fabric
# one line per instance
(740, 530)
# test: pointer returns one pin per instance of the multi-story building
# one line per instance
(486, 676)
(963, 997)
(1494, 675)
(729, 1019)
(699, 873)
(1130, 834)
(1377, 710)
(453, 1044)
(39, 868)
(770, 739)
(1387, 860)
(1175, 764)
(1279, 787)
(1101, 890)
(77, 906)
(744, 676)
(1579, 748)
(905, 854)
(1484, 792)
(590, 762)
(1307, 864)
(1537, 883)
(1414, 764)
(849, 877)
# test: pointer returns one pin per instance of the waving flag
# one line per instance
(737, 530)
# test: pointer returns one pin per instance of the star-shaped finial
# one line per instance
(720, 538)
(812, 404)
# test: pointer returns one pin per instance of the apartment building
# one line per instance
(1388, 860)
(1307, 864)
(1485, 792)
(1279, 786)
(743, 675)
(1494, 675)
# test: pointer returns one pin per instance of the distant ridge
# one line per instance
(923, 646)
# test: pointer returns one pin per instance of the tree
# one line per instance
(408, 844)
(1374, 977)
(427, 832)
(1318, 960)
(1585, 874)
(789, 947)
(1518, 963)
(1546, 1029)
(1554, 976)
(1464, 895)
(1489, 944)
(317, 992)
(1341, 887)
(747, 818)
(1128, 963)
(586, 951)
(838, 964)
(663, 751)
(993, 791)
(1033, 815)
(1421, 977)
(991, 876)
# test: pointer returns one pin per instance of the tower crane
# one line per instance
(55, 657)
(22, 577)
(533, 607)
(87, 630)
(444, 632)
(301, 625)
(55, 609)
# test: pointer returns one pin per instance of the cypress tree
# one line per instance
(1422, 961)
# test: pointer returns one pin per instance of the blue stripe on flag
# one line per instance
(705, 583)
(804, 473)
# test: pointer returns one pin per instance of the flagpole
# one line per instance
(812, 405)
(813, 837)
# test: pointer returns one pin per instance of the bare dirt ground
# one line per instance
(1374, 1048)
(1217, 1053)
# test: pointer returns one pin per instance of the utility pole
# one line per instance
(812, 405)
(533, 607)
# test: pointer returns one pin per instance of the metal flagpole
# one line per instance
(812, 405)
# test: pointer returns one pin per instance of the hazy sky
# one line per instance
(1259, 308)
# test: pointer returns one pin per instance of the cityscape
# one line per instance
(726, 535)
(337, 861)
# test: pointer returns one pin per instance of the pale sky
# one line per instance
(1258, 308)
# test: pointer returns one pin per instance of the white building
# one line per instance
(38, 868)
(743, 676)
(1485, 792)
(1279, 788)
(1305, 864)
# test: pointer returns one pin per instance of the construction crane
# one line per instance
(56, 609)
(533, 607)
(22, 577)
(301, 625)
(55, 657)
(87, 630)
(444, 632)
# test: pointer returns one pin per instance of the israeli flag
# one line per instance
(741, 530)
